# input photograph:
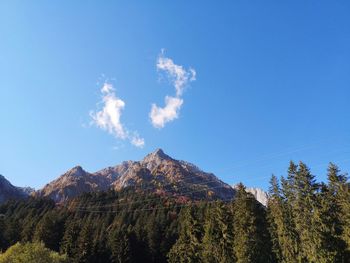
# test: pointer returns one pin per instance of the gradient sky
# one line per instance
(272, 84)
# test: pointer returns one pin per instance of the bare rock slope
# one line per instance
(157, 172)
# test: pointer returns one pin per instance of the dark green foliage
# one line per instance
(251, 240)
(70, 238)
(120, 246)
(281, 225)
(307, 220)
(218, 235)
(85, 245)
(49, 230)
(188, 246)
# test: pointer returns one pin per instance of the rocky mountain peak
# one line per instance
(154, 159)
(157, 154)
(157, 171)
(76, 171)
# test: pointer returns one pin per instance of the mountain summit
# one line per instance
(156, 172)
(9, 191)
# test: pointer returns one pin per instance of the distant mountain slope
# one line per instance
(259, 194)
(73, 183)
(157, 172)
(8, 191)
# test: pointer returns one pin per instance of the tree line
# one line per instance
(304, 221)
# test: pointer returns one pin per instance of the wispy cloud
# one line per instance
(176, 73)
(108, 117)
(160, 116)
(179, 77)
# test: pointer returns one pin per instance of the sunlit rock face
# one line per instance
(259, 194)
(157, 172)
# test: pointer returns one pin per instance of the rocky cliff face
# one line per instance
(73, 183)
(259, 194)
(8, 191)
(157, 172)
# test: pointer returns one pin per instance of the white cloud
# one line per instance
(176, 73)
(107, 88)
(108, 118)
(193, 74)
(179, 78)
(137, 141)
(160, 116)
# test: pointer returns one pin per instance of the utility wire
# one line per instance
(186, 180)
(152, 199)
(149, 209)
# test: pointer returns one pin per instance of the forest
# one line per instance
(304, 221)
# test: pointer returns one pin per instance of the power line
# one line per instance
(172, 183)
(156, 198)
(150, 209)
(167, 191)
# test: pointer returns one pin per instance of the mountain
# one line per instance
(157, 172)
(259, 194)
(73, 183)
(8, 191)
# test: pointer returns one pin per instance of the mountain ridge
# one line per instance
(157, 171)
(9, 191)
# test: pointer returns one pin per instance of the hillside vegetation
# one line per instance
(304, 221)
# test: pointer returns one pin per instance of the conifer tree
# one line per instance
(281, 224)
(120, 246)
(303, 213)
(338, 215)
(250, 238)
(50, 230)
(85, 253)
(218, 235)
(187, 248)
(275, 218)
(12, 232)
(2, 234)
(70, 237)
(345, 206)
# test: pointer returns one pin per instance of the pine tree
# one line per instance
(218, 235)
(85, 252)
(345, 206)
(28, 232)
(70, 237)
(50, 230)
(120, 246)
(249, 229)
(275, 218)
(187, 248)
(281, 224)
(210, 238)
(154, 236)
(303, 213)
(12, 232)
(2, 234)
(290, 239)
(337, 210)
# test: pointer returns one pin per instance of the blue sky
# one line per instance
(272, 84)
